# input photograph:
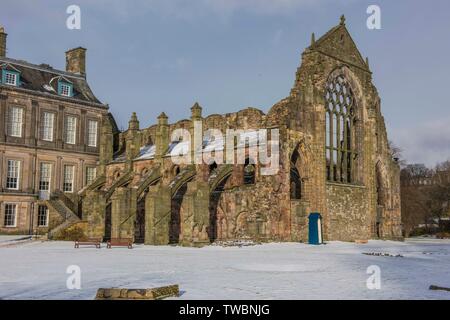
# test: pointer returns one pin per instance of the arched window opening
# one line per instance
(296, 185)
(340, 147)
(379, 186)
(295, 180)
(144, 172)
(249, 172)
(212, 167)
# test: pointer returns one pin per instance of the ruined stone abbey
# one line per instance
(66, 164)
(334, 158)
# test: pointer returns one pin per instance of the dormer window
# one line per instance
(65, 89)
(11, 78)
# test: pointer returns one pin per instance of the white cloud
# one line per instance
(427, 143)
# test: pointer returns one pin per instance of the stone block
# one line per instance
(138, 294)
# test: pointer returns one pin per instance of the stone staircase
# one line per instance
(66, 213)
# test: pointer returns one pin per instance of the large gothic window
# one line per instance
(340, 146)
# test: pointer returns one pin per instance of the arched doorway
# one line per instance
(213, 209)
(218, 178)
(139, 223)
(175, 214)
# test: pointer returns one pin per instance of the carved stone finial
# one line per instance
(196, 111)
(313, 39)
(162, 116)
(162, 119)
(134, 122)
(367, 61)
(342, 20)
(196, 106)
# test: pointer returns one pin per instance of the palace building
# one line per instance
(49, 142)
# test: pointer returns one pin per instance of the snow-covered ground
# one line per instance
(337, 270)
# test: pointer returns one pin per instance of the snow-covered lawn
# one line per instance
(37, 270)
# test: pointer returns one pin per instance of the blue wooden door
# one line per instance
(315, 228)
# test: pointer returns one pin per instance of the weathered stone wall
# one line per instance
(255, 211)
(195, 204)
(94, 212)
(348, 209)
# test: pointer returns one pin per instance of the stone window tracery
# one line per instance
(340, 147)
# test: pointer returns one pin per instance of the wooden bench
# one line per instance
(88, 242)
(120, 242)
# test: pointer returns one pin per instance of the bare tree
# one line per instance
(396, 153)
(414, 197)
(439, 193)
(416, 171)
(415, 209)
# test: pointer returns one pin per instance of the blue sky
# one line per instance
(163, 55)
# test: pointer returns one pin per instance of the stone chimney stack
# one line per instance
(76, 61)
(196, 135)
(3, 36)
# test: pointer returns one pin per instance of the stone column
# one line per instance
(162, 136)
(196, 141)
(59, 174)
(123, 213)
(30, 127)
(157, 215)
(369, 152)
(132, 143)
(106, 145)
(81, 174)
(60, 127)
(94, 209)
(195, 220)
(3, 99)
(33, 179)
(2, 170)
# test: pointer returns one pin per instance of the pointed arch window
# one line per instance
(212, 167)
(296, 184)
(295, 180)
(340, 147)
